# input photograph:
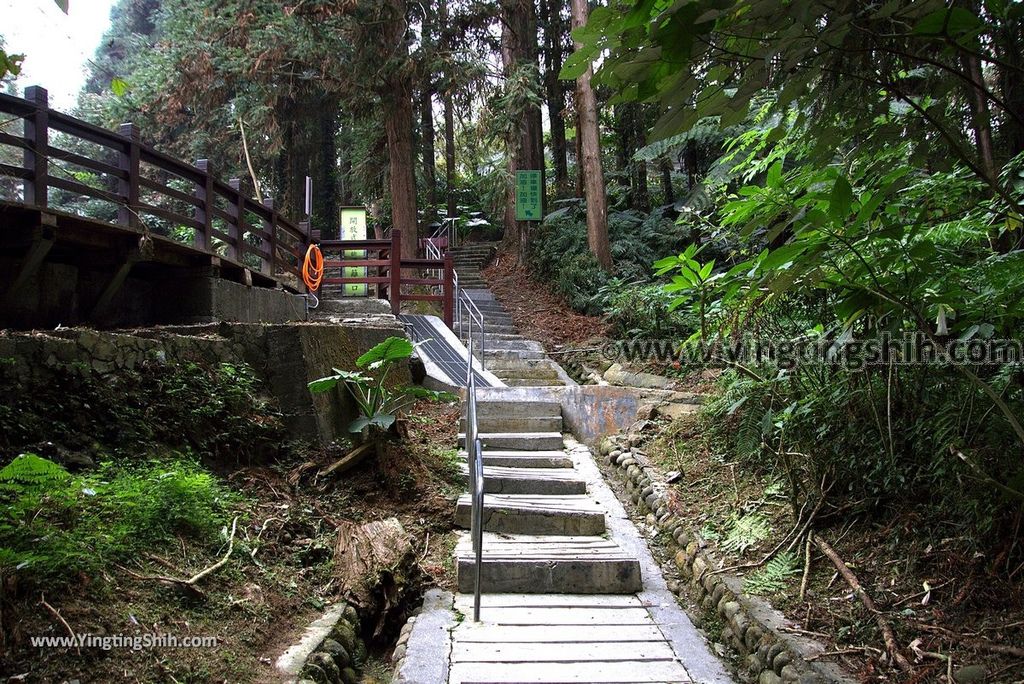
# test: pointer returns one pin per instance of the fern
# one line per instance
(30, 472)
(746, 531)
(772, 577)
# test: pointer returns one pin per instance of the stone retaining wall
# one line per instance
(769, 655)
(331, 652)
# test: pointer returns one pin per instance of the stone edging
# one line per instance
(752, 626)
(330, 652)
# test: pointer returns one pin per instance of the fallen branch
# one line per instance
(53, 611)
(807, 565)
(883, 623)
(189, 585)
(983, 644)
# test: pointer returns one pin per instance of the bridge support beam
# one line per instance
(143, 252)
(43, 237)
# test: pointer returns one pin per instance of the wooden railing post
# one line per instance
(395, 290)
(204, 213)
(448, 304)
(238, 230)
(128, 188)
(37, 127)
(269, 242)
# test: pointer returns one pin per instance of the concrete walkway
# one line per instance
(571, 591)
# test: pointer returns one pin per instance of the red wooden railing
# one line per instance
(383, 258)
(144, 182)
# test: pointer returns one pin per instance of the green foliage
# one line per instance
(638, 310)
(774, 576)
(379, 405)
(745, 531)
(218, 409)
(54, 525)
(559, 253)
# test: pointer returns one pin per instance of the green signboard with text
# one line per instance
(353, 227)
(529, 196)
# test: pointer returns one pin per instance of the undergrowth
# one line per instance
(56, 526)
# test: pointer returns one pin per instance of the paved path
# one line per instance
(571, 592)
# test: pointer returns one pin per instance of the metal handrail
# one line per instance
(474, 314)
(474, 452)
(432, 252)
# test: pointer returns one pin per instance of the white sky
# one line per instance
(56, 45)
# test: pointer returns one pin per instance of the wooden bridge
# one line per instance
(87, 211)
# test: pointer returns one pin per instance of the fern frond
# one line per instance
(773, 576)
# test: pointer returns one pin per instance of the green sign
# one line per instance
(353, 227)
(529, 196)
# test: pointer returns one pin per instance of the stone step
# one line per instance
(514, 345)
(499, 336)
(536, 481)
(538, 372)
(522, 441)
(508, 364)
(524, 459)
(492, 353)
(553, 565)
(515, 423)
(577, 515)
(533, 382)
(490, 328)
(488, 408)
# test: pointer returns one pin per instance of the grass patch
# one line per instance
(55, 524)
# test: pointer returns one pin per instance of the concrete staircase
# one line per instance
(543, 533)
(514, 359)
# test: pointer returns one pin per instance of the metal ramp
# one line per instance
(442, 352)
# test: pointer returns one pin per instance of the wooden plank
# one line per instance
(85, 162)
(562, 652)
(564, 673)
(170, 192)
(82, 189)
(43, 238)
(569, 616)
(558, 600)
(488, 633)
(168, 215)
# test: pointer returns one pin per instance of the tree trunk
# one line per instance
(578, 143)
(554, 29)
(427, 143)
(667, 191)
(326, 213)
(449, 155)
(525, 143)
(398, 122)
(691, 165)
(597, 202)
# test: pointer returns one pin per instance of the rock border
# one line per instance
(424, 644)
(752, 626)
(331, 651)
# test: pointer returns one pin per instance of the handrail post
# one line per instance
(268, 241)
(449, 290)
(396, 271)
(204, 213)
(127, 214)
(238, 231)
(37, 133)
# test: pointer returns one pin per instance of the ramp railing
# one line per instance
(474, 454)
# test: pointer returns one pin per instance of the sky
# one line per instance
(56, 45)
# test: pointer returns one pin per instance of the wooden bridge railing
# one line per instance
(383, 257)
(142, 182)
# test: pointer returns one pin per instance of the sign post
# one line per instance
(353, 227)
(529, 196)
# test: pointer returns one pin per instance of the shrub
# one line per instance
(54, 524)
